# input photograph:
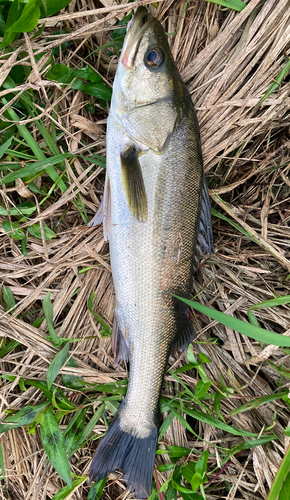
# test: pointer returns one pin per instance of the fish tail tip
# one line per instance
(133, 455)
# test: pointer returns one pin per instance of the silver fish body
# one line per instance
(151, 209)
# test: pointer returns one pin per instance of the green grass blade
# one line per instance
(283, 73)
(67, 490)
(255, 403)
(278, 301)
(247, 445)
(56, 364)
(242, 327)
(48, 312)
(34, 147)
(281, 476)
(89, 427)
(2, 465)
(96, 490)
(34, 168)
(230, 4)
(5, 146)
(215, 213)
(208, 419)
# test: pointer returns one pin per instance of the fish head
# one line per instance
(146, 72)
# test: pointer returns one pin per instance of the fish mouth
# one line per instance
(136, 28)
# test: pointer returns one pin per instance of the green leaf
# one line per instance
(56, 364)
(234, 224)
(201, 464)
(31, 169)
(98, 318)
(203, 358)
(8, 298)
(279, 78)
(7, 348)
(252, 319)
(217, 404)
(72, 381)
(11, 378)
(278, 301)
(5, 146)
(283, 371)
(247, 445)
(14, 231)
(44, 5)
(52, 440)
(73, 435)
(208, 419)
(188, 471)
(230, 4)
(165, 425)
(89, 427)
(201, 388)
(165, 467)
(98, 160)
(23, 246)
(36, 231)
(54, 6)
(100, 90)
(62, 401)
(24, 416)
(2, 463)
(60, 73)
(281, 476)
(182, 489)
(87, 73)
(178, 451)
(28, 19)
(25, 208)
(13, 14)
(48, 312)
(255, 403)
(285, 490)
(96, 490)
(240, 326)
(67, 490)
(196, 481)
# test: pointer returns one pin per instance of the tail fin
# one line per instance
(134, 456)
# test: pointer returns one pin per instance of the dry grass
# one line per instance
(228, 61)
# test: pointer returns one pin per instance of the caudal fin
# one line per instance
(133, 455)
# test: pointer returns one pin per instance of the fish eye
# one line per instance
(155, 58)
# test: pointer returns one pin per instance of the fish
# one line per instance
(156, 215)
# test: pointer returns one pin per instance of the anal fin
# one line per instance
(119, 344)
(185, 333)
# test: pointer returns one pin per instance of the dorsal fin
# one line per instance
(204, 242)
(133, 184)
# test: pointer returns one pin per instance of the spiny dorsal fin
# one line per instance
(133, 184)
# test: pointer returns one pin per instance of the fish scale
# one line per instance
(151, 210)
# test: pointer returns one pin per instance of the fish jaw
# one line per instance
(139, 24)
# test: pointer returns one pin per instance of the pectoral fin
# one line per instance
(133, 184)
